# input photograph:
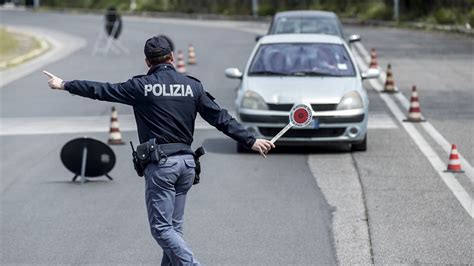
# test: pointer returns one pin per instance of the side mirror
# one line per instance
(233, 73)
(354, 38)
(372, 73)
(258, 37)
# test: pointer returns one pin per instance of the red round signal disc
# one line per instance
(301, 115)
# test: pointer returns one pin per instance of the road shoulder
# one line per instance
(61, 44)
(25, 48)
(342, 190)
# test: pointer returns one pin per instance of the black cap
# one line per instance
(156, 46)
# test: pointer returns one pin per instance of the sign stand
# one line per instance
(87, 157)
(109, 41)
(300, 117)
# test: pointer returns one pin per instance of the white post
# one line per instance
(83, 165)
(36, 4)
(255, 8)
(396, 10)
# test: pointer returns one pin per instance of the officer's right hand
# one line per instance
(263, 146)
(54, 82)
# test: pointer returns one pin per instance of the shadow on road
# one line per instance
(69, 182)
(229, 146)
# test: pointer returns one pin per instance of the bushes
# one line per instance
(445, 16)
(377, 11)
(432, 11)
(471, 17)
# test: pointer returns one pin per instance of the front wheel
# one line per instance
(361, 146)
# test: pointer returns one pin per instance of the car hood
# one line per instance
(301, 89)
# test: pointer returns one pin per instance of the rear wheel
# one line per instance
(361, 146)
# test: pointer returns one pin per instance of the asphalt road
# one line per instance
(247, 211)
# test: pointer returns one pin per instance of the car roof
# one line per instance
(301, 38)
(305, 13)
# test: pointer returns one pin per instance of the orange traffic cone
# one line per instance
(454, 165)
(373, 59)
(115, 137)
(389, 83)
(191, 55)
(181, 67)
(414, 114)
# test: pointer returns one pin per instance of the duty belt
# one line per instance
(150, 152)
(173, 148)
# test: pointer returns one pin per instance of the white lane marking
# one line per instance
(427, 126)
(84, 124)
(449, 179)
(380, 120)
(446, 146)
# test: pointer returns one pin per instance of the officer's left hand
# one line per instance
(54, 82)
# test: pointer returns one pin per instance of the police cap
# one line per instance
(156, 46)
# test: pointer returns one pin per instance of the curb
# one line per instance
(44, 47)
(57, 50)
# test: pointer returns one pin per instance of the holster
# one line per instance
(198, 153)
(150, 152)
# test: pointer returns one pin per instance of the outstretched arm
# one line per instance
(220, 118)
(118, 92)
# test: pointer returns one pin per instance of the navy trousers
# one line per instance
(166, 187)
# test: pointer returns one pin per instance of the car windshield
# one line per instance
(320, 25)
(302, 59)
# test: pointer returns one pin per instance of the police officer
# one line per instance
(165, 104)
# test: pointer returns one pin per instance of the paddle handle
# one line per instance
(283, 131)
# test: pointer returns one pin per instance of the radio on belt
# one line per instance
(300, 116)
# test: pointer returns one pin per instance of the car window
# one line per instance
(320, 25)
(302, 59)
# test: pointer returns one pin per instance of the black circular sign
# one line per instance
(113, 20)
(100, 157)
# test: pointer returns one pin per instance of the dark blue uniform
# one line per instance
(165, 104)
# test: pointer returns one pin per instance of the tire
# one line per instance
(361, 146)
(242, 149)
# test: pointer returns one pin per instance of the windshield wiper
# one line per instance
(314, 73)
(268, 73)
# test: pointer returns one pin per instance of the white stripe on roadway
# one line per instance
(449, 179)
(427, 126)
(87, 124)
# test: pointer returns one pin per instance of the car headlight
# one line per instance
(351, 100)
(252, 100)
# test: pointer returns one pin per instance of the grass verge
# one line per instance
(17, 48)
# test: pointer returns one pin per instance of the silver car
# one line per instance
(308, 22)
(314, 69)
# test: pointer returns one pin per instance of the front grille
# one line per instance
(317, 107)
(280, 107)
(273, 119)
(303, 133)
(341, 119)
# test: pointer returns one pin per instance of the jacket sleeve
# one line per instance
(124, 92)
(220, 118)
